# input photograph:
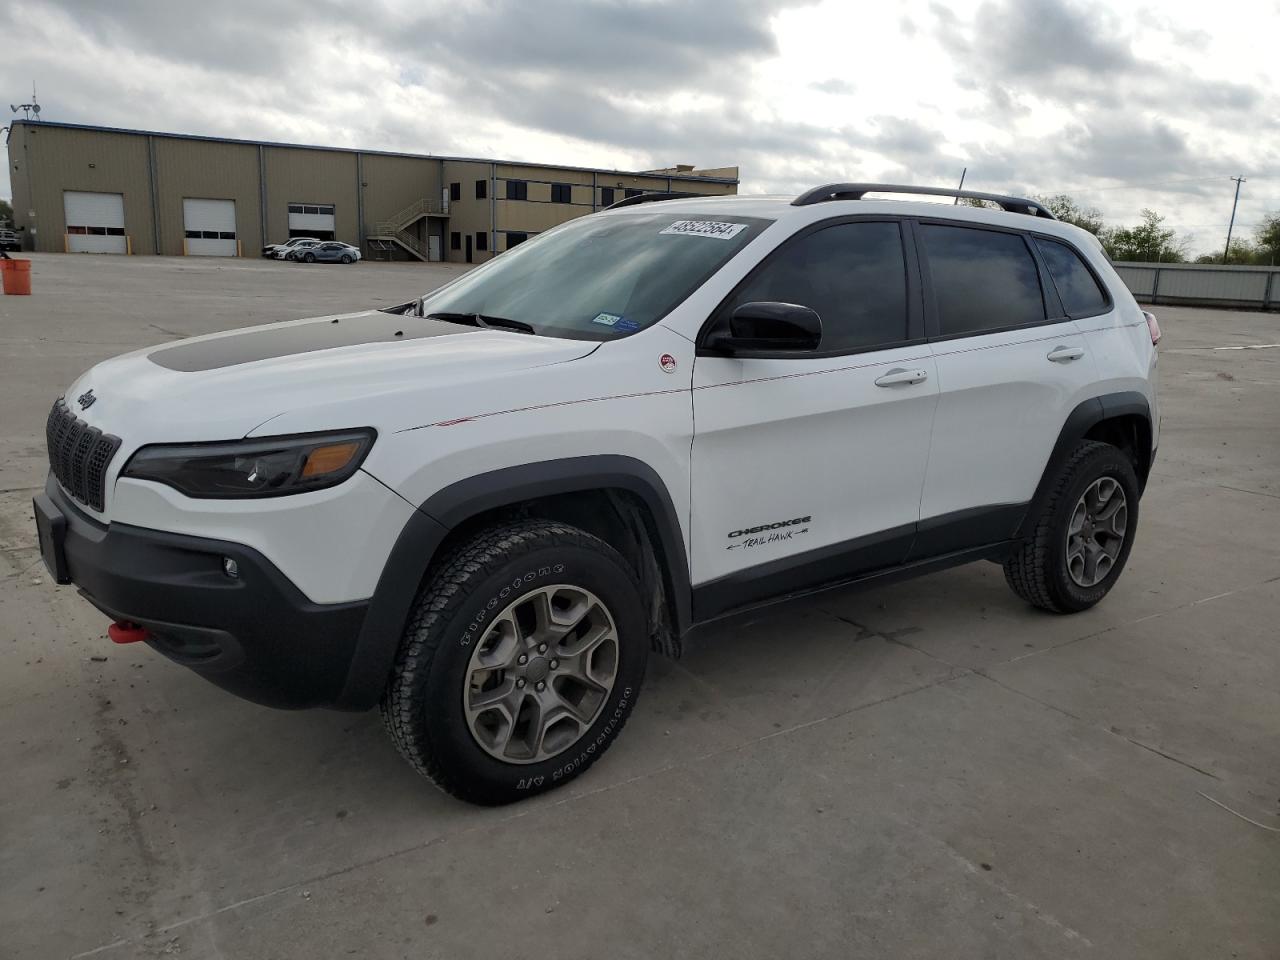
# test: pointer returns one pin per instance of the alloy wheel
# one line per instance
(541, 674)
(1096, 532)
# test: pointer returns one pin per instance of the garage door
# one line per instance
(210, 226)
(311, 220)
(95, 222)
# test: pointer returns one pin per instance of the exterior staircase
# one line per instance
(395, 229)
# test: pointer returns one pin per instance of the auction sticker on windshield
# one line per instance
(715, 229)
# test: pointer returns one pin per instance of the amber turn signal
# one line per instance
(329, 459)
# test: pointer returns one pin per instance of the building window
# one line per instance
(606, 196)
(455, 192)
(482, 189)
(517, 190)
(323, 209)
(455, 240)
(561, 193)
(630, 192)
(482, 238)
(515, 239)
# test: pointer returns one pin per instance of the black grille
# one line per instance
(79, 454)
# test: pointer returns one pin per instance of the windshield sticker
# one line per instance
(625, 324)
(608, 319)
(715, 229)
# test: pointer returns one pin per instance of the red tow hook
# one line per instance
(126, 631)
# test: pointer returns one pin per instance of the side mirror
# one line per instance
(768, 326)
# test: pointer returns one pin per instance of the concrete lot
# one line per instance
(927, 770)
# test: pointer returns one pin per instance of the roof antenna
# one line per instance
(28, 108)
(956, 201)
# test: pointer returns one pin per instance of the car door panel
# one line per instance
(1003, 402)
(816, 441)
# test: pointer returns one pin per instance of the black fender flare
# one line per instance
(450, 506)
(1086, 415)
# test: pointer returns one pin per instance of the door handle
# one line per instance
(902, 375)
(1065, 354)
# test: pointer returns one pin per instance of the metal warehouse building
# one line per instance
(92, 189)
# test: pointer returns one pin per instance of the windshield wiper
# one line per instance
(483, 320)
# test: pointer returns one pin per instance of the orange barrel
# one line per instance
(17, 277)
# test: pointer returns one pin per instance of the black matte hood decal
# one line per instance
(266, 343)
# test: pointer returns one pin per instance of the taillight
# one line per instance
(1153, 326)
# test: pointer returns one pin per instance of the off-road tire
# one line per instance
(1037, 569)
(422, 706)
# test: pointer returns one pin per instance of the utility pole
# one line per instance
(1231, 225)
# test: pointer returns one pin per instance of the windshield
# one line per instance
(599, 278)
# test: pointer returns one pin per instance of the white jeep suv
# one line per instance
(483, 509)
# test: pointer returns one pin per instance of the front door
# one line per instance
(809, 467)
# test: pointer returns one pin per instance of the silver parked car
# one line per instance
(296, 251)
(331, 251)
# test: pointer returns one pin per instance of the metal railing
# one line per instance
(419, 208)
(387, 230)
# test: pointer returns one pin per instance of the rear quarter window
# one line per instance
(1079, 290)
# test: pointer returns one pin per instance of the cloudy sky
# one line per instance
(1153, 105)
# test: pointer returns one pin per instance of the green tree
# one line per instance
(1243, 253)
(1267, 237)
(1148, 242)
(1064, 207)
(6, 211)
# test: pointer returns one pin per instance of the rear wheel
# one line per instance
(521, 662)
(1079, 541)
(309, 258)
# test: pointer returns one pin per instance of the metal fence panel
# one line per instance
(1209, 284)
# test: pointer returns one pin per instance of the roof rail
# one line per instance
(855, 191)
(649, 198)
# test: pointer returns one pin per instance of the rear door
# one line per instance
(1011, 366)
(808, 467)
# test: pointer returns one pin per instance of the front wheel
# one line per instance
(347, 258)
(521, 663)
(1079, 541)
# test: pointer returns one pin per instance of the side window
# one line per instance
(482, 189)
(1080, 293)
(606, 196)
(455, 192)
(852, 274)
(982, 280)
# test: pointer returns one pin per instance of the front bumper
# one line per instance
(256, 635)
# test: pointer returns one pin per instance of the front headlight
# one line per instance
(265, 467)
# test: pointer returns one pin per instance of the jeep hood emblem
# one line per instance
(86, 399)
